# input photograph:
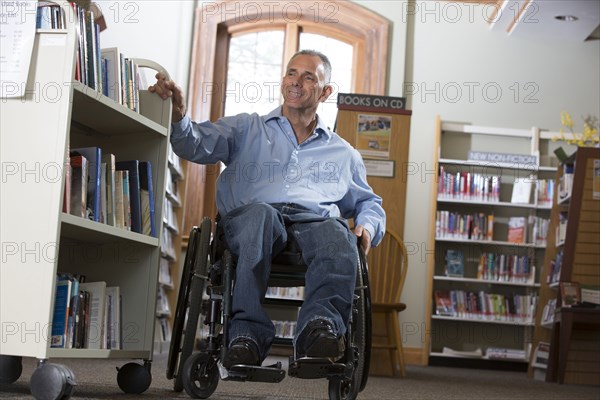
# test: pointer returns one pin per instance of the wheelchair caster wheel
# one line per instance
(134, 378)
(342, 389)
(52, 382)
(178, 384)
(200, 376)
(10, 368)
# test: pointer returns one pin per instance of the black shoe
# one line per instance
(241, 351)
(318, 339)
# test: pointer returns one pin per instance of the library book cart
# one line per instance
(56, 114)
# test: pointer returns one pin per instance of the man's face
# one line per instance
(303, 85)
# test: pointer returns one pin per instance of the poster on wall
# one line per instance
(373, 135)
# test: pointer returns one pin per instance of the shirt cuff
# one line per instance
(177, 128)
(371, 229)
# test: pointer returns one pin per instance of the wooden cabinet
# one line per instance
(573, 255)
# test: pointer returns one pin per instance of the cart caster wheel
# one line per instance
(200, 376)
(10, 368)
(52, 382)
(134, 378)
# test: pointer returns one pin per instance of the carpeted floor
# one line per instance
(96, 379)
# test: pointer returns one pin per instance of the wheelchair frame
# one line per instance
(205, 293)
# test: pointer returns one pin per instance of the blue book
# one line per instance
(147, 198)
(60, 314)
(94, 157)
(132, 166)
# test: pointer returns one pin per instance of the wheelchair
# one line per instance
(205, 297)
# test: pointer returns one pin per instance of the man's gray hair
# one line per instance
(323, 57)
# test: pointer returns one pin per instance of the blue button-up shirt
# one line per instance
(265, 163)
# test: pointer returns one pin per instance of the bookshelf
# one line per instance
(481, 314)
(170, 272)
(569, 334)
(38, 132)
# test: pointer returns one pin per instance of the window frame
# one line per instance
(214, 24)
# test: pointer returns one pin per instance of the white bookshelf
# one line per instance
(464, 331)
(37, 132)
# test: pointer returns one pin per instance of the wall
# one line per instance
(158, 30)
(437, 55)
(516, 83)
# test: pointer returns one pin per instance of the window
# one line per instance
(238, 46)
(255, 67)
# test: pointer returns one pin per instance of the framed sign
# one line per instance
(381, 168)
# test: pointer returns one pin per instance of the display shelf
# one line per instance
(572, 332)
(474, 202)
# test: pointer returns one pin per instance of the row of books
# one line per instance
(538, 233)
(86, 314)
(116, 193)
(106, 71)
(162, 331)
(503, 353)
(167, 245)
(541, 357)
(561, 228)
(548, 312)
(468, 186)
(485, 306)
(545, 191)
(504, 267)
(555, 267)
(492, 353)
(164, 273)
(532, 229)
(170, 218)
(565, 182)
(49, 16)
(291, 293)
(453, 225)
(285, 329)
(162, 303)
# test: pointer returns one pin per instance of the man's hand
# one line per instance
(365, 238)
(166, 89)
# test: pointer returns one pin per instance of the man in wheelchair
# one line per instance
(288, 177)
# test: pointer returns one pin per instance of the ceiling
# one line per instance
(538, 18)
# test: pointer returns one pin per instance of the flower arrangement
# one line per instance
(589, 137)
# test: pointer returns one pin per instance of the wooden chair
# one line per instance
(388, 264)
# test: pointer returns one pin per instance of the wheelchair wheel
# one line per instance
(180, 309)
(341, 388)
(200, 376)
(189, 302)
(364, 314)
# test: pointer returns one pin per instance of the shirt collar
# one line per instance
(320, 128)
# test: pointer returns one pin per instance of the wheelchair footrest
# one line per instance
(271, 374)
(316, 368)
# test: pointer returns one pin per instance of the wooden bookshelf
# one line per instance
(573, 332)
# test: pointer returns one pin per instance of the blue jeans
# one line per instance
(255, 233)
